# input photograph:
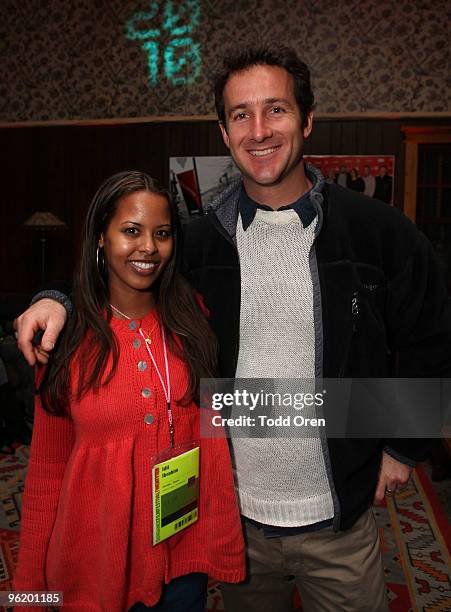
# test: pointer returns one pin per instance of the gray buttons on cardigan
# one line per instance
(142, 365)
(132, 325)
(149, 419)
(136, 343)
(146, 392)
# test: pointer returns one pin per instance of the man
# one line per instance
(370, 182)
(384, 186)
(343, 177)
(304, 280)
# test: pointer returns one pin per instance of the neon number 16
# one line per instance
(181, 56)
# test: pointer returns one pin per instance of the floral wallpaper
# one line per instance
(90, 59)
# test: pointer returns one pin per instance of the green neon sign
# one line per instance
(180, 59)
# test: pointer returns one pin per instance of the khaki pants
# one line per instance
(334, 572)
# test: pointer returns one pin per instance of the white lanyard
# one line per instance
(166, 388)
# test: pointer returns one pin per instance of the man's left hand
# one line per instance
(392, 474)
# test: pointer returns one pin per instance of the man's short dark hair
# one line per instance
(281, 56)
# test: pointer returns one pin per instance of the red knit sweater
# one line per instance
(87, 509)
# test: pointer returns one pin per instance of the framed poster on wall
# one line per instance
(195, 181)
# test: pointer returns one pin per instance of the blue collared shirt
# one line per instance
(303, 206)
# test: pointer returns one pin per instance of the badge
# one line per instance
(175, 494)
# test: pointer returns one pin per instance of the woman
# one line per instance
(356, 182)
(116, 413)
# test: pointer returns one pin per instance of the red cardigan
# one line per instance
(87, 509)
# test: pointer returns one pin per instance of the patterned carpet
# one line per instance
(414, 530)
(12, 473)
(415, 538)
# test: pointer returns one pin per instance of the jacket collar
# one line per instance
(303, 206)
(226, 204)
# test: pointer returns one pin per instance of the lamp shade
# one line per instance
(44, 221)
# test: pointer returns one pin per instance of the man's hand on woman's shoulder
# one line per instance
(47, 315)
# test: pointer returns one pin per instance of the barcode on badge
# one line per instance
(184, 521)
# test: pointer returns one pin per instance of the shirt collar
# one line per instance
(303, 205)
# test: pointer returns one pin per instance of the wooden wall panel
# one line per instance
(59, 168)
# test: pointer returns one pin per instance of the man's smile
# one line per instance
(263, 152)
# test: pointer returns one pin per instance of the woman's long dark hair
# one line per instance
(88, 329)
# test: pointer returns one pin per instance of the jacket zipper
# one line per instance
(354, 310)
(354, 318)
